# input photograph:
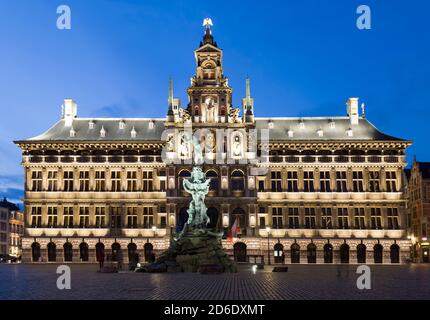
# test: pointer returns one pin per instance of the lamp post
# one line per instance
(268, 244)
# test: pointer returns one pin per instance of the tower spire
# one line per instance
(248, 91)
(208, 37)
(170, 99)
(248, 103)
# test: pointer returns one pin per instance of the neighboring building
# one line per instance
(419, 210)
(10, 233)
(332, 191)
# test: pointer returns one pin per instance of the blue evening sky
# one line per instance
(305, 58)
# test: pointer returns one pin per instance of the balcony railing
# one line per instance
(94, 159)
(331, 158)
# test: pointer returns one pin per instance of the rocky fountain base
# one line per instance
(194, 251)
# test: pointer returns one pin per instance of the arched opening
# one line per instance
(312, 253)
(52, 252)
(279, 253)
(132, 252)
(213, 218)
(328, 253)
(182, 219)
(295, 253)
(377, 253)
(148, 252)
(344, 253)
(214, 184)
(100, 252)
(239, 215)
(116, 248)
(361, 253)
(395, 253)
(239, 249)
(184, 174)
(68, 252)
(237, 180)
(83, 252)
(35, 251)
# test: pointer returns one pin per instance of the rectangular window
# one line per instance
(36, 181)
(359, 218)
(308, 177)
(148, 217)
(277, 219)
(341, 181)
(68, 181)
(100, 217)
(293, 218)
(52, 217)
(374, 181)
(84, 181)
(84, 217)
(131, 181)
(292, 181)
(376, 218)
(100, 181)
(147, 181)
(393, 218)
(68, 217)
(326, 218)
(357, 181)
(52, 180)
(260, 185)
(390, 180)
(310, 218)
(342, 218)
(325, 181)
(115, 213)
(132, 217)
(36, 217)
(276, 181)
(115, 181)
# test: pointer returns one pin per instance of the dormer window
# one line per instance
(271, 124)
(91, 125)
(133, 133)
(349, 132)
(72, 133)
(332, 124)
(290, 133)
(102, 132)
(121, 125)
(151, 125)
(301, 124)
(320, 133)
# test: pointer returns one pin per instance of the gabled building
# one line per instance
(300, 190)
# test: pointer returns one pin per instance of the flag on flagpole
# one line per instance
(235, 229)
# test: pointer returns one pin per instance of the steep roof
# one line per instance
(8, 205)
(424, 169)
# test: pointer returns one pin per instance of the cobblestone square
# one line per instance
(301, 282)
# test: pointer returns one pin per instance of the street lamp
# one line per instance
(154, 229)
(268, 244)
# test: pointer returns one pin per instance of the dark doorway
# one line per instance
(378, 253)
(68, 252)
(213, 218)
(52, 252)
(312, 253)
(132, 249)
(239, 249)
(344, 253)
(279, 253)
(148, 248)
(295, 253)
(361, 253)
(116, 247)
(182, 219)
(83, 252)
(328, 253)
(100, 251)
(35, 251)
(395, 253)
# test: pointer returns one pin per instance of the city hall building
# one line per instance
(299, 190)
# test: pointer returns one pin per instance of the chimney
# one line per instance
(352, 110)
(70, 111)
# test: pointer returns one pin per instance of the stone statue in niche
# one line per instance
(170, 143)
(184, 147)
(210, 109)
(237, 148)
(210, 142)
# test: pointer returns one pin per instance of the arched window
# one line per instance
(52, 252)
(35, 251)
(213, 218)
(237, 180)
(377, 253)
(100, 251)
(395, 253)
(361, 253)
(295, 253)
(148, 248)
(312, 253)
(279, 253)
(68, 252)
(184, 174)
(344, 253)
(181, 219)
(328, 253)
(239, 249)
(116, 247)
(213, 187)
(83, 252)
(132, 250)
